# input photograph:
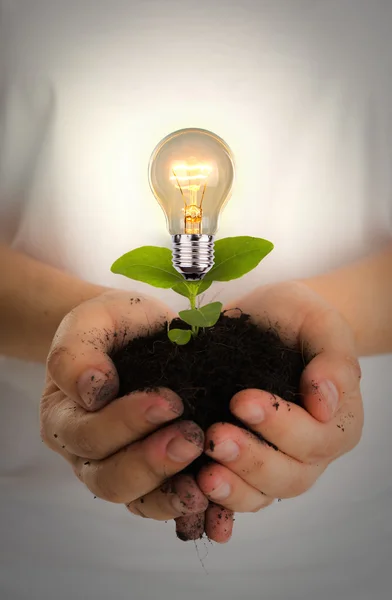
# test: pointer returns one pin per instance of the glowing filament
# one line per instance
(189, 180)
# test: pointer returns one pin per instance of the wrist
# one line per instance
(34, 298)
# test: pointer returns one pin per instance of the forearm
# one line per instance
(362, 292)
(34, 298)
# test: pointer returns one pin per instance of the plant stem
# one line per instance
(192, 300)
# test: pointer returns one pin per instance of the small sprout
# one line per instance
(180, 336)
(206, 316)
(234, 257)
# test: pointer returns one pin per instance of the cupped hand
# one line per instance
(300, 440)
(119, 448)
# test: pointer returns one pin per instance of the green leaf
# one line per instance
(149, 264)
(182, 289)
(192, 287)
(203, 286)
(206, 316)
(236, 256)
(180, 336)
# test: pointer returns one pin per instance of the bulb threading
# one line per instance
(193, 255)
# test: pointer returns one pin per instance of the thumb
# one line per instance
(79, 362)
(327, 382)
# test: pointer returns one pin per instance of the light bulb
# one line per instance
(191, 174)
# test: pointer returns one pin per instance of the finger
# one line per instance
(293, 430)
(79, 362)
(97, 435)
(191, 527)
(258, 464)
(329, 382)
(219, 523)
(178, 497)
(143, 466)
(332, 375)
(224, 487)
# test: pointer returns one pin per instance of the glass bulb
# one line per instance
(191, 175)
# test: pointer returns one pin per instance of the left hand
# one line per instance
(249, 474)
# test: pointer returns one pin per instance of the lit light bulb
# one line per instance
(191, 175)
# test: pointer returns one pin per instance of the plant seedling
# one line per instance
(234, 257)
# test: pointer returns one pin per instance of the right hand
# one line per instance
(117, 446)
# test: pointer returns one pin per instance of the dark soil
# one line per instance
(206, 373)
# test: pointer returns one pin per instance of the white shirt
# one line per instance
(302, 93)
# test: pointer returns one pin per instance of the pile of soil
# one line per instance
(222, 360)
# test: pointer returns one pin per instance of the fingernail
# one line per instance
(330, 394)
(226, 451)
(254, 414)
(95, 389)
(190, 527)
(180, 450)
(179, 505)
(222, 492)
(158, 414)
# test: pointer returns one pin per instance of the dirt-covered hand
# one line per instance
(300, 440)
(118, 447)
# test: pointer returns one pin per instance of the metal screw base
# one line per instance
(193, 255)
